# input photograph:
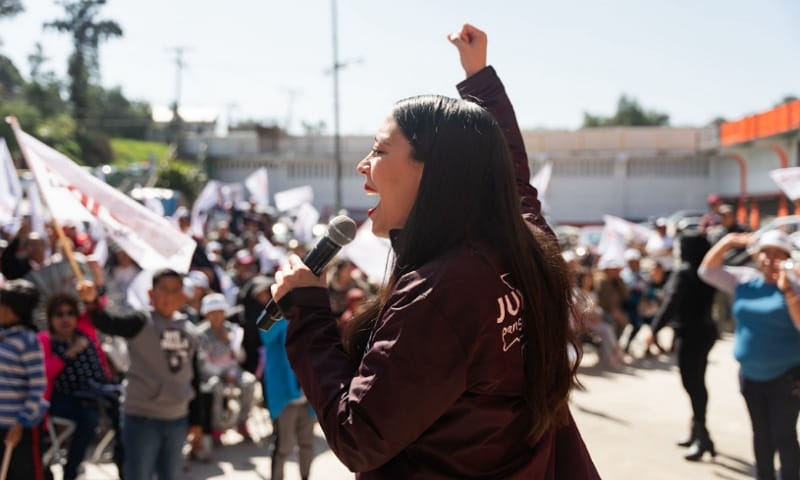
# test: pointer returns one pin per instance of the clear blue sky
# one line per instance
(693, 59)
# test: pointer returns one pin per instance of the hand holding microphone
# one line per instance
(298, 275)
(306, 273)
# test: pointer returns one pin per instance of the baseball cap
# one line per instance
(214, 302)
(244, 257)
(776, 239)
(713, 199)
(198, 278)
(609, 261)
(632, 254)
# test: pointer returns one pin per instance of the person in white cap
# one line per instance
(766, 308)
(221, 348)
(611, 289)
(659, 245)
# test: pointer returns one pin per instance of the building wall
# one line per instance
(634, 173)
(638, 186)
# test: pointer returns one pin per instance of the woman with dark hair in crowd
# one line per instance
(460, 368)
(77, 371)
(687, 307)
(766, 308)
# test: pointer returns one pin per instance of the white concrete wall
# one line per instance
(573, 197)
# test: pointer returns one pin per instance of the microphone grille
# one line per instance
(342, 230)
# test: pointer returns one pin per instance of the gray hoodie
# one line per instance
(162, 379)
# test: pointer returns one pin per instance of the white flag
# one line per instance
(618, 233)
(209, 197)
(269, 256)
(293, 198)
(258, 185)
(146, 237)
(369, 253)
(307, 217)
(10, 189)
(788, 179)
(540, 182)
(35, 210)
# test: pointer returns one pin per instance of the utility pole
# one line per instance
(176, 118)
(337, 65)
(337, 148)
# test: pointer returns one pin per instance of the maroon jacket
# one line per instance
(439, 391)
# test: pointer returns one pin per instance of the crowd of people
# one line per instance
(189, 351)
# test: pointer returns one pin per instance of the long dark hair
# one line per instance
(468, 194)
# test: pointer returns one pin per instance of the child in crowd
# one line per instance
(292, 415)
(221, 352)
(22, 381)
(163, 379)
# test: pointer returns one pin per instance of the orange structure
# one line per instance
(782, 118)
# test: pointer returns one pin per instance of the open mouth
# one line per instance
(371, 191)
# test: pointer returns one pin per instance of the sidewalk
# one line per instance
(629, 421)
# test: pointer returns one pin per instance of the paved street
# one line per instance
(629, 420)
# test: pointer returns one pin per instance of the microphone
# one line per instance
(341, 231)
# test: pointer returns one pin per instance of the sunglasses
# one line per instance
(64, 313)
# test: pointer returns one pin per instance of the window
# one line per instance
(583, 167)
(668, 167)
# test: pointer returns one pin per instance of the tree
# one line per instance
(87, 33)
(629, 113)
(786, 99)
(11, 81)
(44, 89)
(117, 116)
(9, 8)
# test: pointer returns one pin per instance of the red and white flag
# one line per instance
(147, 238)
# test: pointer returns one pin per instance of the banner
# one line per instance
(146, 237)
(10, 189)
(293, 198)
(258, 185)
(788, 179)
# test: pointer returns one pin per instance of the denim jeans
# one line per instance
(153, 446)
(774, 406)
(85, 415)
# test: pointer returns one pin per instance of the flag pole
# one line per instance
(66, 244)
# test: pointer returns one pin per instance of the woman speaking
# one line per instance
(459, 368)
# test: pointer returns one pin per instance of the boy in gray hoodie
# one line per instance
(163, 380)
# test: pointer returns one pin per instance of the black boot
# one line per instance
(701, 445)
(688, 441)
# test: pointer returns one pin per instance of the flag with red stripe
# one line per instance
(147, 238)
